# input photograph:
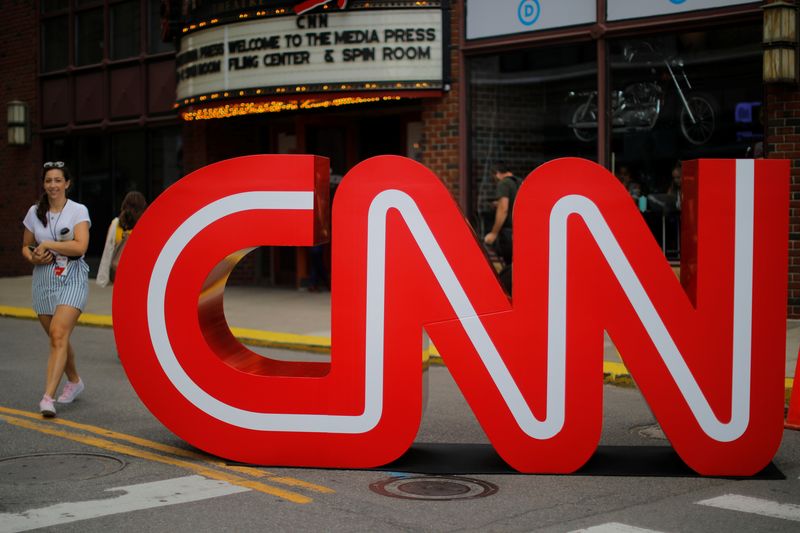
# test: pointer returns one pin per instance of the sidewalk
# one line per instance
(286, 318)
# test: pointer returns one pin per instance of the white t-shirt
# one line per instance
(72, 214)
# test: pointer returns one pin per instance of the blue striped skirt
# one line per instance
(50, 291)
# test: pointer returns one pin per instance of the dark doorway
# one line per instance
(381, 136)
(345, 139)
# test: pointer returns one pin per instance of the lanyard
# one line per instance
(54, 225)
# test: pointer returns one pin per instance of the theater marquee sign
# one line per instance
(343, 51)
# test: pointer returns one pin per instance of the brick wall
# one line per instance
(19, 179)
(440, 142)
(783, 142)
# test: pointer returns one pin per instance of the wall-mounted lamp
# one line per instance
(780, 42)
(18, 127)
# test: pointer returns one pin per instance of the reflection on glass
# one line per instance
(682, 96)
(521, 107)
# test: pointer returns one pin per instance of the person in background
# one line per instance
(133, 205)
(675, 183)
(624, 176)
(54, 240)
(500, 236)
(631, 184)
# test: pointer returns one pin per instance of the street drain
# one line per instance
(434, 488)
(40, 468)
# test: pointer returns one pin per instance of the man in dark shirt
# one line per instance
(500, 235)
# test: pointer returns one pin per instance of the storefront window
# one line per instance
(128, 164)
(166, 150)
(89, 37)
(521, 109)
(96, 193)
(125, 30)
(677, 97)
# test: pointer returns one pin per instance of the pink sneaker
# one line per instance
(70, 391)
(46, 407)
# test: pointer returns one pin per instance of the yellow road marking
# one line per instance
(274, 478)
(145, 443)
(144, 454)
(269, 339)
(107, 433)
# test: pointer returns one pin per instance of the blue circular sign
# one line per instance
(528, 12)
(677, 1)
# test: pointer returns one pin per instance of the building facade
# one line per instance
(347, 83)
(635, 86)
(98, 86)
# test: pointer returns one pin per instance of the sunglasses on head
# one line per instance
(54, 164)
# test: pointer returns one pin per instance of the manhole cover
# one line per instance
(54, 467)
(434, 488)
(651, 432)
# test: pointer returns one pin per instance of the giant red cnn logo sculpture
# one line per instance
(707, 354)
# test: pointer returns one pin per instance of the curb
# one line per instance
(269, 339)
(613, 372)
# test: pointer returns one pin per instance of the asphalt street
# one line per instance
(106, 464)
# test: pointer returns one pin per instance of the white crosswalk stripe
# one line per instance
(747, 504)
(614, 527)
(136, 497)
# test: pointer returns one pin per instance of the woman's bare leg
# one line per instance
(62, 357)
(69, 369)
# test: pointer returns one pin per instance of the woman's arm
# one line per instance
(74, 248)
(29, 250)
(500, 216)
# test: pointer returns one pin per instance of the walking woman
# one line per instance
(133, 205)
(55, 238)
